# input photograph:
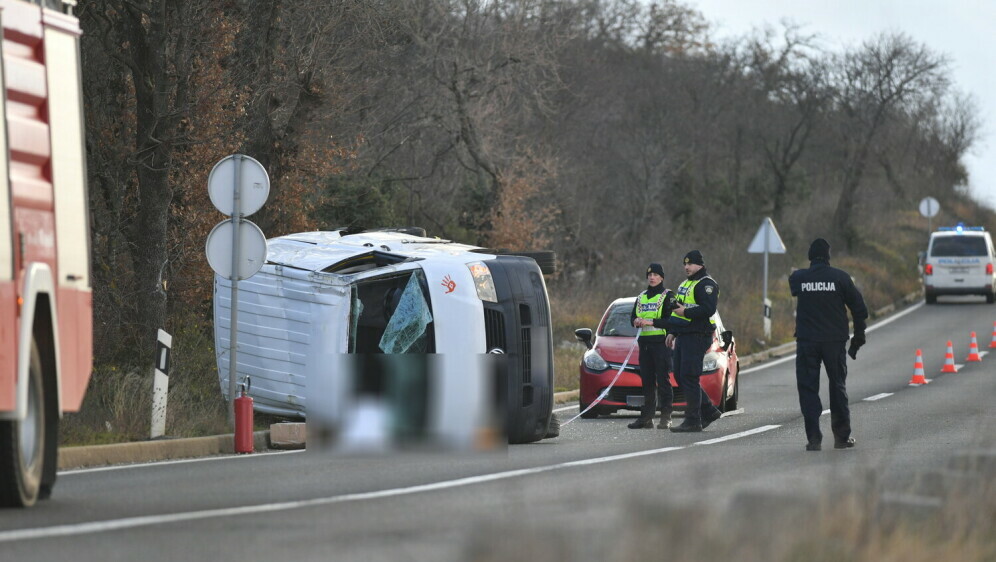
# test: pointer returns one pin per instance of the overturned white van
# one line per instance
(324, 294)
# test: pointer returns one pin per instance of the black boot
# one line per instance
(665, 422)
(642, 423)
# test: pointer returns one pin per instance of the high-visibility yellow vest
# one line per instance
(651, 308)
(686, 296)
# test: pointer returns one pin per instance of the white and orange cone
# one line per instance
(949, 364)
(993, 343)
(973, 350)
(918, 378)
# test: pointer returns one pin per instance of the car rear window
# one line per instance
(618, 323)
(958, 246)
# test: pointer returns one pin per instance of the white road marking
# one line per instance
(219, 457)
(870, 329)
(754, 431)
(149, 520)
(878, 397)
(565, 408)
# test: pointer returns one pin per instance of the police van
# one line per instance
(959, 261)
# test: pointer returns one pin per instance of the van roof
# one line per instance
(322, 250)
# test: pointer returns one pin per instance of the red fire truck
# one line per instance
(45, 290)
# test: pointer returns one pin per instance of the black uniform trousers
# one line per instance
(809, 356)
(689, 351)
(655, 364)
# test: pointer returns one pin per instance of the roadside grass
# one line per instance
(118, 403)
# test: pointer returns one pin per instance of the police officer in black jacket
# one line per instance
(821, 331)
(650, 313)
(690, 331)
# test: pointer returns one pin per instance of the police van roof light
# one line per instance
(961, 228)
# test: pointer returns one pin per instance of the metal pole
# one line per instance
(767, 242)
(234, 328)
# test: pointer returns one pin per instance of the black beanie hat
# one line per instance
(655, 268)
(695, 257)
(819, 250)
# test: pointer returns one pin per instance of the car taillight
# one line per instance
(989, 269)
(928, 269)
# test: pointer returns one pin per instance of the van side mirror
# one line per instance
(584, 335)
(727, 339)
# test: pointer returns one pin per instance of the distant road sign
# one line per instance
(252, 249)
(929, 207)
(766, 240)
(254, 184)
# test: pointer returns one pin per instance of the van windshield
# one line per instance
(958, 246)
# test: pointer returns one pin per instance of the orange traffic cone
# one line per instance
(993, 343)
(973, 350)
(918, 378)
(949, 365)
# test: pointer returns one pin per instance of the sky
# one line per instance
(962, 30)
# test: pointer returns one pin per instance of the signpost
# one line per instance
(160, 384)
(766, 241)
(238, 186)
(929, 207)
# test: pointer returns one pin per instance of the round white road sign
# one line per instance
(252, 249)
(929, 207)
(253, 184)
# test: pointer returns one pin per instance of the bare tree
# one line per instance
(154, 47)
(886, 79)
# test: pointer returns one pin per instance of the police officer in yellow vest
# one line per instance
(650, 314)
(691, 330)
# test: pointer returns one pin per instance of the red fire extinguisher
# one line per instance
(243, 419)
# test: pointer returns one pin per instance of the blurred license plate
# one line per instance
(634, 400)
(958, 270)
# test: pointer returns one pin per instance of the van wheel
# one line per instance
(931, 298)
(553, 428)
(990, 298)
(546, 260)
(23, 444)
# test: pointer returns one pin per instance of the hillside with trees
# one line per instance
(615, 132)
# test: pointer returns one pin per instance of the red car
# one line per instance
(613, 342)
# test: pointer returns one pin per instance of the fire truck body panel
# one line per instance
(45, 288)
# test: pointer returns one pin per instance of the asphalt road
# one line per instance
(587, 495)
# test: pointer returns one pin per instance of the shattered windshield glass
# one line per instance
(405, 332)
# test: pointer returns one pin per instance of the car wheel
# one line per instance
(723, 400)
(931, 298)
(733, 402)
(990, 298)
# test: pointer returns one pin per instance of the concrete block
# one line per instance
(288, 435)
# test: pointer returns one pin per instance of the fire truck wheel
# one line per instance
(22, 444)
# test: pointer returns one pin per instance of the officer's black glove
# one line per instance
(670, 305)
(856, 342)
